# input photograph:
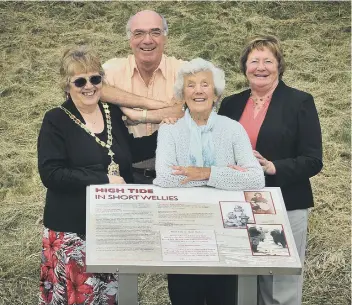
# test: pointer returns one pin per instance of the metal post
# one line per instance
(247, 290)
(128, 289)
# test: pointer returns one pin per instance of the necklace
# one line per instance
(259, 102)
(113, 168)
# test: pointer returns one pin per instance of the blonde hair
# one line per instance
(259, 43)
(76, 60)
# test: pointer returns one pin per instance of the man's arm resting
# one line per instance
(154, 116)
(123, 98)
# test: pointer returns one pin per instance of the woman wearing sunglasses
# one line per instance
(80, 143)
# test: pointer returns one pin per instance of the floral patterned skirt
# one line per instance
(63, 280)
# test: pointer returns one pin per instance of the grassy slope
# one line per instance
(316, 39)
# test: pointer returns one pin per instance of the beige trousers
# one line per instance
(287, 289)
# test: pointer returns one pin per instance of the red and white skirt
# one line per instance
(63, 280)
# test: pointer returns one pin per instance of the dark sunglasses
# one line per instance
(82, 81)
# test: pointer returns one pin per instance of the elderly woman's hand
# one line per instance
(237, 167)
(192, 173)
(268, 166)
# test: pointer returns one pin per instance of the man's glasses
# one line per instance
(82, 81)
(139, 34)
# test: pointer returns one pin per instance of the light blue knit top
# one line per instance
(232, 146)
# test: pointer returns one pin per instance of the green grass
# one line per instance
(316, 37)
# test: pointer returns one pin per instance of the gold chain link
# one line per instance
(113, 167)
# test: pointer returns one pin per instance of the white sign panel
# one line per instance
(201, 230)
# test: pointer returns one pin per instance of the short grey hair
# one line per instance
(165, 26)
(197, 65)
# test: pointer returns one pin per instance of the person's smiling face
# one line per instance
(146, 44)
(262, 69)
(199, 92)
(87, 95)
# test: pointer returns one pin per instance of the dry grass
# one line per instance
(316, 38)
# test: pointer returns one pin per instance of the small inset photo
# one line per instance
(268, 240)
(261, 202)
(236, 214)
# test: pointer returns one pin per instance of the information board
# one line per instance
(200, 230)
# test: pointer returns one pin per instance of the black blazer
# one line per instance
(290, 137)
(69, 159)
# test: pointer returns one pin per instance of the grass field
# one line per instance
(316, 38)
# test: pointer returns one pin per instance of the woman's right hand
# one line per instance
(268, 166)
(237, 167)
(116, 179)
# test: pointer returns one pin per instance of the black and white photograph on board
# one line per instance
(236, 214)
(268, 240)
(261, 202)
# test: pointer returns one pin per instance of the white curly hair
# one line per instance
(197, 65)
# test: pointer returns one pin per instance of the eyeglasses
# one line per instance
(139, 34)
(82, 81)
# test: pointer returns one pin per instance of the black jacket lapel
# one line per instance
(237, 107)
(272, 122)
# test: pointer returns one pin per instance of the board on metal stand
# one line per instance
(147, 229)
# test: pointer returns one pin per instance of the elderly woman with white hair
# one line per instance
(204, 149)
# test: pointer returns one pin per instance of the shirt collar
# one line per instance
(161, 67)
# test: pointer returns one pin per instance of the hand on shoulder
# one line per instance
(169, 121)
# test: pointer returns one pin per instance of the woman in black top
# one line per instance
(83, 142)
(283, 126)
